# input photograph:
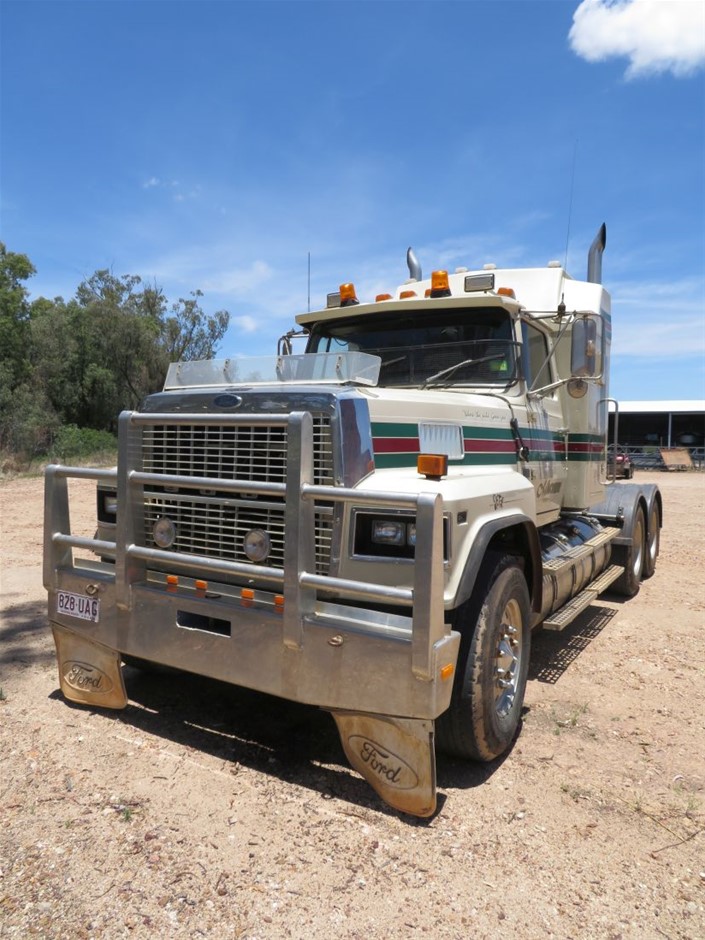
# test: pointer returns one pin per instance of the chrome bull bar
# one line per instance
(297, 579)
(387, 732)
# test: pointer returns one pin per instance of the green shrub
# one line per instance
(71, 442)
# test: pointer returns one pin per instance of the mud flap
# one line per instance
(89, 673)
(395, 755)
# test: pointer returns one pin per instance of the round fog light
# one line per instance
(257, 545)
(164, 532)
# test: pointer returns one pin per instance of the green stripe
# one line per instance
(488, 434)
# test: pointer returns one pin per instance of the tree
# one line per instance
(14, 316)
(83, 361)
(189, 334)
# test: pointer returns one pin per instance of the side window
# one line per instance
(534, 355)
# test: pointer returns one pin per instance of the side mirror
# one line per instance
(585, 351)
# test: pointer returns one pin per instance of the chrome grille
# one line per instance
(214, 524)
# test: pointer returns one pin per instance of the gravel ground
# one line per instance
(204, 810)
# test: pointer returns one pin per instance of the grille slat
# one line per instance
(215, 526)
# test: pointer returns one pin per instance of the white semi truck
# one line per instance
(375, 526)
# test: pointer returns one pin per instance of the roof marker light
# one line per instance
(381, 297)
(405, 294)
(507, 292)
(439, 284)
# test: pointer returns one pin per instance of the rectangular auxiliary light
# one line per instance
(479, 282)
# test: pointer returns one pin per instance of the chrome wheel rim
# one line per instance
(638, 547)
(508, 658)
(653, 536)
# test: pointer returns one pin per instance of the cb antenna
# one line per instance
(570, 203)
(309, 282)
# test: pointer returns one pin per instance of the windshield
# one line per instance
(439, 347)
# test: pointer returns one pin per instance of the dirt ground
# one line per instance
(208, 811)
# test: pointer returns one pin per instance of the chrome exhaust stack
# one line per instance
(594, 270)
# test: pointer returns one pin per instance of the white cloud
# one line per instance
(242, 281)
(655, 35)
(246, 324)
(660, 319)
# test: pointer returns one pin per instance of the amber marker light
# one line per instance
(347, 295)
(172, 582)
(447, 671)
(439, 284)
(507, 292)
(247, 596)
(405, 294)
(279, 603)
(381, 297)
(201, 587)
(432, 466)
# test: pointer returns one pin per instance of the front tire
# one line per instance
(495, 626)
(632, 557)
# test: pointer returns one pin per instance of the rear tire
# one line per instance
(632, 557)
(483, 717)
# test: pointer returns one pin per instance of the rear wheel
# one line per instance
(653, 536)
(490, 681)
(632, 557)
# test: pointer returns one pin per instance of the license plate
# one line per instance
(78, 605)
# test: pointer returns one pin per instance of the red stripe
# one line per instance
(396, 445)
(586, 448)
(480, 445)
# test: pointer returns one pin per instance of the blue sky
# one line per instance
(213, 145)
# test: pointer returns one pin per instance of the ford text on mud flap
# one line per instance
(385, 677)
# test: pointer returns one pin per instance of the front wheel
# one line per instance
(483, 717)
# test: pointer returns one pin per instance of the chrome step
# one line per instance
(561, 618)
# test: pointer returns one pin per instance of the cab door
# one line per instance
(545, 431)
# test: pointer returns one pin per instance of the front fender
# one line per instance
(515, 534)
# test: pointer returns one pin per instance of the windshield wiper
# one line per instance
(450, 370)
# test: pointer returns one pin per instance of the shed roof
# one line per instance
(680, 407)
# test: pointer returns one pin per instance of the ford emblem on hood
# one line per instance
(227, 401)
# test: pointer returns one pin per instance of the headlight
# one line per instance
(388, 532)
(106, 505)
(387, 535)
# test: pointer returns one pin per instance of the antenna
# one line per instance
(570, 203)
(309, 282)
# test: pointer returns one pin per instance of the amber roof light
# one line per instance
(347, 295)
(439, 284)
